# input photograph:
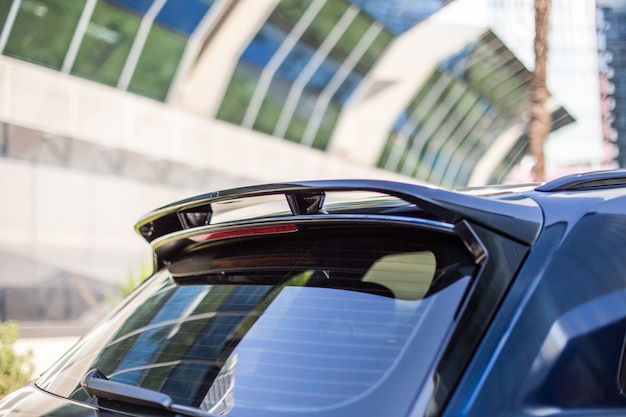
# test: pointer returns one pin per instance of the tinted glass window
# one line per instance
(311, 321)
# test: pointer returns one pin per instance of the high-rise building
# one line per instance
(611, 18)
(572, 74)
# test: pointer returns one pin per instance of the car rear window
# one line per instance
(340, 320)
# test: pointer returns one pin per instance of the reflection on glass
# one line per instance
(304, 324)
(472, 97)
(326, 126)
(5, 6)
(301, 108)
(288, 12)
(158, 63)
(271, 106)
(351, 37)
(264, 45)
(398, 16)
(139, 7)
(327, 347)
(106, 44)
(325, 21)
(239, 93)
(183, 16)
(43, 30)
(219, 399)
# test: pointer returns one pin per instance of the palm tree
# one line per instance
(540, 119)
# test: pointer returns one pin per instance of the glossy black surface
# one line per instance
(519, 217)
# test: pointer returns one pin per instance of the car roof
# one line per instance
(586, 181)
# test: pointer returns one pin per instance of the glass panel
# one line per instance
(288, 12)
(106, 44)
(444, 117)
(271, 107)
(295, 62)
(298, 122)
(375, 50)
(306, 103)
(390, 145)
(446, 81)
(43, 31)
(346, 89)
(264, 45)
(5, 6)
(324, 22)
(136, 6)
(423, 93)
(351, 37)
(238, 94)
(327, 126)
(183, 16)
(407, 138)
(400, 15)
(323, 75)
(158, 63)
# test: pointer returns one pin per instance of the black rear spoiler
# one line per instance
(515, 215)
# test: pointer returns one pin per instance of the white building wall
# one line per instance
(81, 219)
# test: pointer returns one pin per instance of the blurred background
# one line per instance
(111, 108)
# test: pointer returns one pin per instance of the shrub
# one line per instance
(15, 369)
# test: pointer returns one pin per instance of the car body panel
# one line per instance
(556, 345)
(31, 401)
(537, 327)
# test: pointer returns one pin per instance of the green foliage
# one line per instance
(125, 287)
(15, 369)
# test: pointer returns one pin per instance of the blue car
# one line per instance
(364, 298)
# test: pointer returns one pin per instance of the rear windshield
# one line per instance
(339, 321)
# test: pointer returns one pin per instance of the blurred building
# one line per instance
(110, 108)
(611, 19)
(572, 76)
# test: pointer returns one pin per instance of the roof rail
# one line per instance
(520, 221)
(586, 181)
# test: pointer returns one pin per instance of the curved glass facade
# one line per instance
(294, 74)
(469, 100)
(294, 78)
(301, 68)
(291, 81)
(42, 31)
(133, 45)
(572, 75)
